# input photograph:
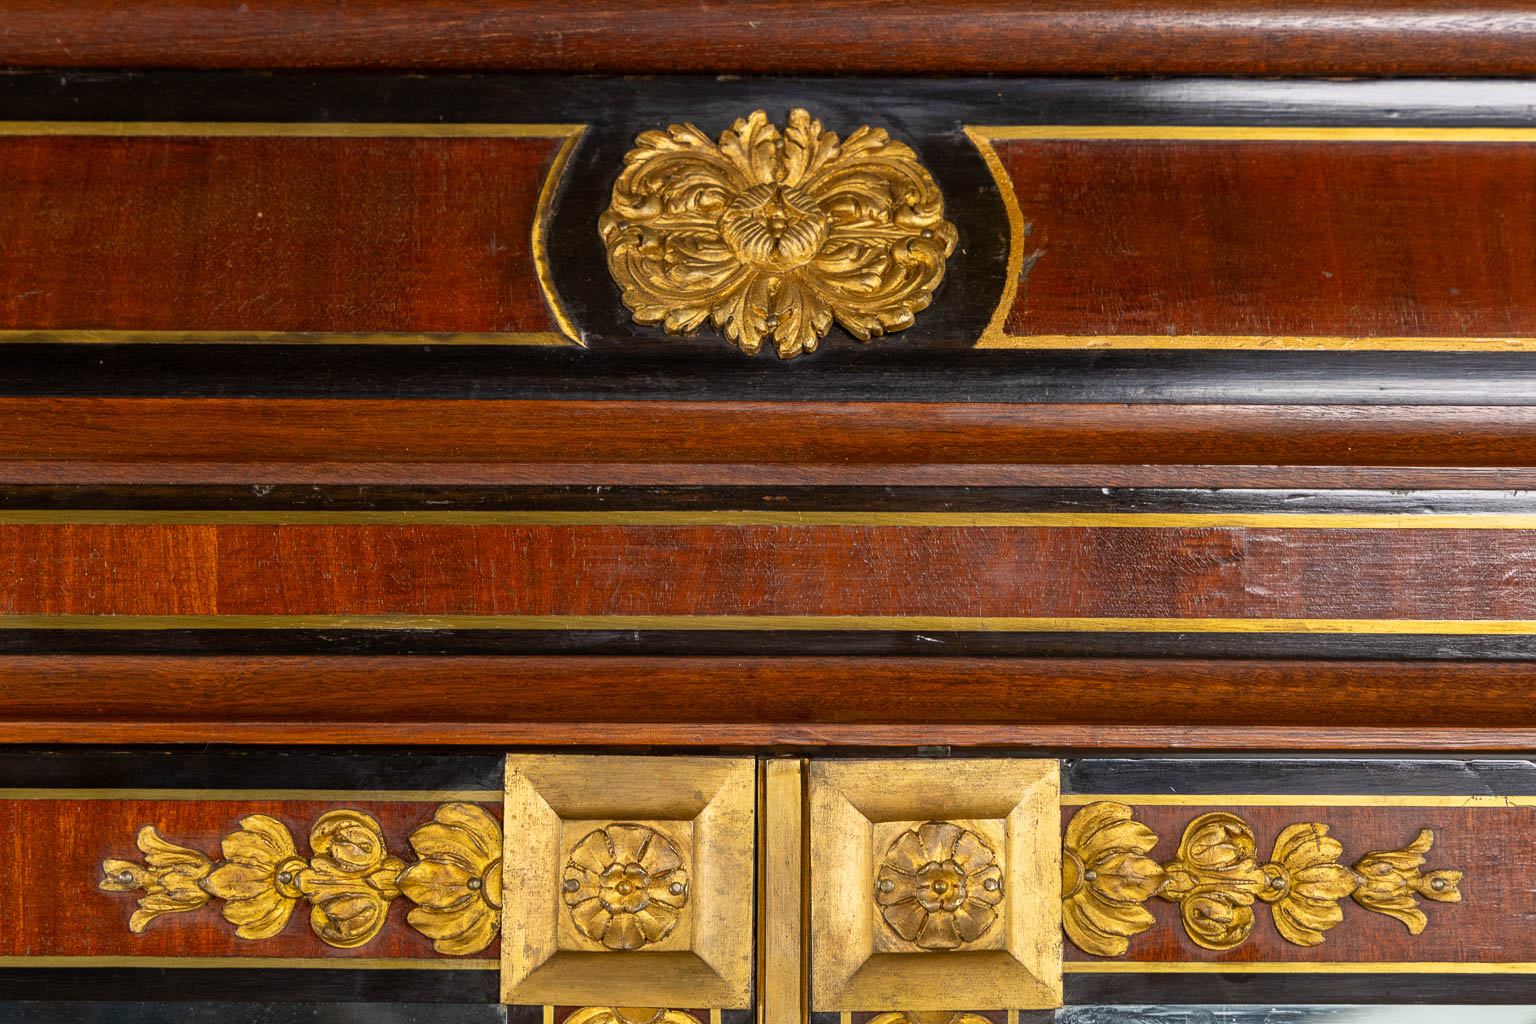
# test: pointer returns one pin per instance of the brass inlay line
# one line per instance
(1278, 343)
(1295, 800)
(541, 219)
(995, 335)
(770, 517)
(354, 963)
(1294, 967)
(296, 129)
(860, 623)
(256, 795)
(1250, 133)
(570, 133)
(111, 337)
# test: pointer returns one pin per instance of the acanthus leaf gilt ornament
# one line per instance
(769, 234)
(1215, 878)
(349, 880)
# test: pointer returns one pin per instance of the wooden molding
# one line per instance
(1255, 37)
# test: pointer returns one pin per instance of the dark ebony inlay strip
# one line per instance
(584, 498)
(52, 1012)
(265, 768)
(1292, 1015)
(1259, 988)
(1353, 776)
(769, 643)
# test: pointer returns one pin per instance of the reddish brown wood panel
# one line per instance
(142, 567)
(104, 434)
(304, 699)
(1185, 572)
(1333, 239)
(1491, 845)
(271, 234)
(53, 850)
(1300, 37)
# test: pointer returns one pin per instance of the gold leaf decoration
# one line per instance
(929, 1017)
(1106, 877)
(259, 880)
(625, 885)
(629, 1015)
(169, 877)
(1305, 883)
(769, 234)
(457, 882)
(1389, 880)
(939, 886)
(349, 881)
(1216, 879)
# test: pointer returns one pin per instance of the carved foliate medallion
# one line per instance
(770, 234)
(939, 886)
(625, 885)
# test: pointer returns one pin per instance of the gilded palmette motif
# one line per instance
(170, 876)
(457, 883)
(1106, 877)
(1390, 879)
(774, 235)
(349, 879)
(1216, 879)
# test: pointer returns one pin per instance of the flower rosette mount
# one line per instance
(625, 886)
(939, 886)
(776, 235)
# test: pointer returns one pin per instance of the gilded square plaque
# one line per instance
(935, 884)
(629, 881)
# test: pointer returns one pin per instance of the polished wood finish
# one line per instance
(1270, 239)
(1265, 37)
(797, 701)
(1167, 572)
(107, 434)
(254, 233)
(759, 474)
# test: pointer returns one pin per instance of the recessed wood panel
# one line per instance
(1270, 237)
(332, 229)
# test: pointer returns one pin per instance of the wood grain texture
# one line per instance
(1175, 572)
(250, 233)
(1074, 702)
(1274, 238)
(1406, 478)
(113, 432)
(54, 849)
(1301, 37)
(1490, 844)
